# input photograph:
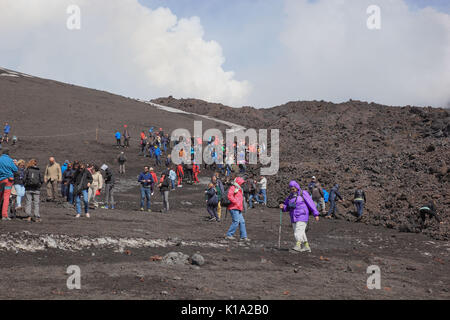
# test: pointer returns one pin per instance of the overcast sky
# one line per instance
(239, 52)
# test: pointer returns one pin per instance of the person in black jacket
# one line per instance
(211, 202)
(334, 195)
(65, 183)
(164, 187)
(33, 181)
(82, 181)
(359, 201)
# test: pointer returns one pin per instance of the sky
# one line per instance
(260, 53)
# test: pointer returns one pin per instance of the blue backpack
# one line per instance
(326, 195)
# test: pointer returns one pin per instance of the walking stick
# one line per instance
(279, 230)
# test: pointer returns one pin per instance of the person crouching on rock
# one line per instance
(83, 180)
(236, 198)
(430, 210)
(212, 202)
(299, 204)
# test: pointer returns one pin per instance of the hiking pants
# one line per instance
(52, 189)
(212, 210)
(333, 208)
(165, 199)
(122, 168)
(118, 142)
(180, 180)
(5, 192)
(109, 194)
(32, 197)
(300, 231)
(219, 210)
(320, 205)
(92, 196)
(70, 194)
(20, 190)
(196, 177)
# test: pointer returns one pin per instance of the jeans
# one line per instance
(333, 209)
(250, 200)
(262, 192)
(237, 221)
(145, 194)
(20, 190)
(109, 194)
(212, 210)
(64, 190)
(165, 198)
(158, 160)
(173, 183)
(84, 193)
(359, 207)
(70, 194)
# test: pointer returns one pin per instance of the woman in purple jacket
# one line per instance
(299, 203)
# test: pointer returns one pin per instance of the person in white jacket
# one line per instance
(96, 185)
(262, 190)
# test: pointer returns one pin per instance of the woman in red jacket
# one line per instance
(236, 198)
(196, 170)
(180, 174)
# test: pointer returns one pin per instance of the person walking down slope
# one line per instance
(121, 159)
(299, 204)
(118, 136)
(173, 178)
(236, 198)
(126, 137)
(146, 181)
(262, 191)
(6, 132)
(318, 197)
(359, 201)
(164, 187)
(109, 187)
(19, 181)
(180, 175)
(7, 170)
(212, 201)
(52, 177)
(83, 180)
(33, 182)
(96, 186)
(334, 195)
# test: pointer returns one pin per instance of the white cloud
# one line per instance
(330, 53)
(122, 47)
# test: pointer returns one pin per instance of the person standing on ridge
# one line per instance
(52, 177)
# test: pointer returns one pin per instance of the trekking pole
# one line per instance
(279, 230)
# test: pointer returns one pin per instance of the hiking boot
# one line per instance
(230, 238)
(88, 215)
(149, 210)
(6, 219)
(247, 240)
(78, 216)
(211, 219)
(298, 247)
(142, 209)
(306, 247)
(218, 220)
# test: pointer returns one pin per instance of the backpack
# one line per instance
(122, 158)
(326, 195)
(32, 178)
(224, 201)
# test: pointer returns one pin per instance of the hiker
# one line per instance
(75, 167)
(126, 137)
(220, 190)
(428, 210)
(168, 161)
(236, 198)
(173, 178)
(318, 197)
(196, 171)
(19, 181)
(14, 140)
(312, 184)
(164, 186)
(251, 191)
(158, 155)
(6, 132)
(33, 182)
(65, 184)
(82, 181)
(212, 201)
(7, 170)
(334, 194)
(299, 204)
(180, 175)
(64, 166)
(109, 187)
(121, 159)
(52, 177)
(359, 201)
(118, 139)
(146, 181)
(96, 185)
(155, 180)
(262, 191)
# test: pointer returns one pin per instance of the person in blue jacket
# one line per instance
(334, 196)
(6, 132)
(118, 136)
(146, 181)
(158, 155)
(7, 170)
